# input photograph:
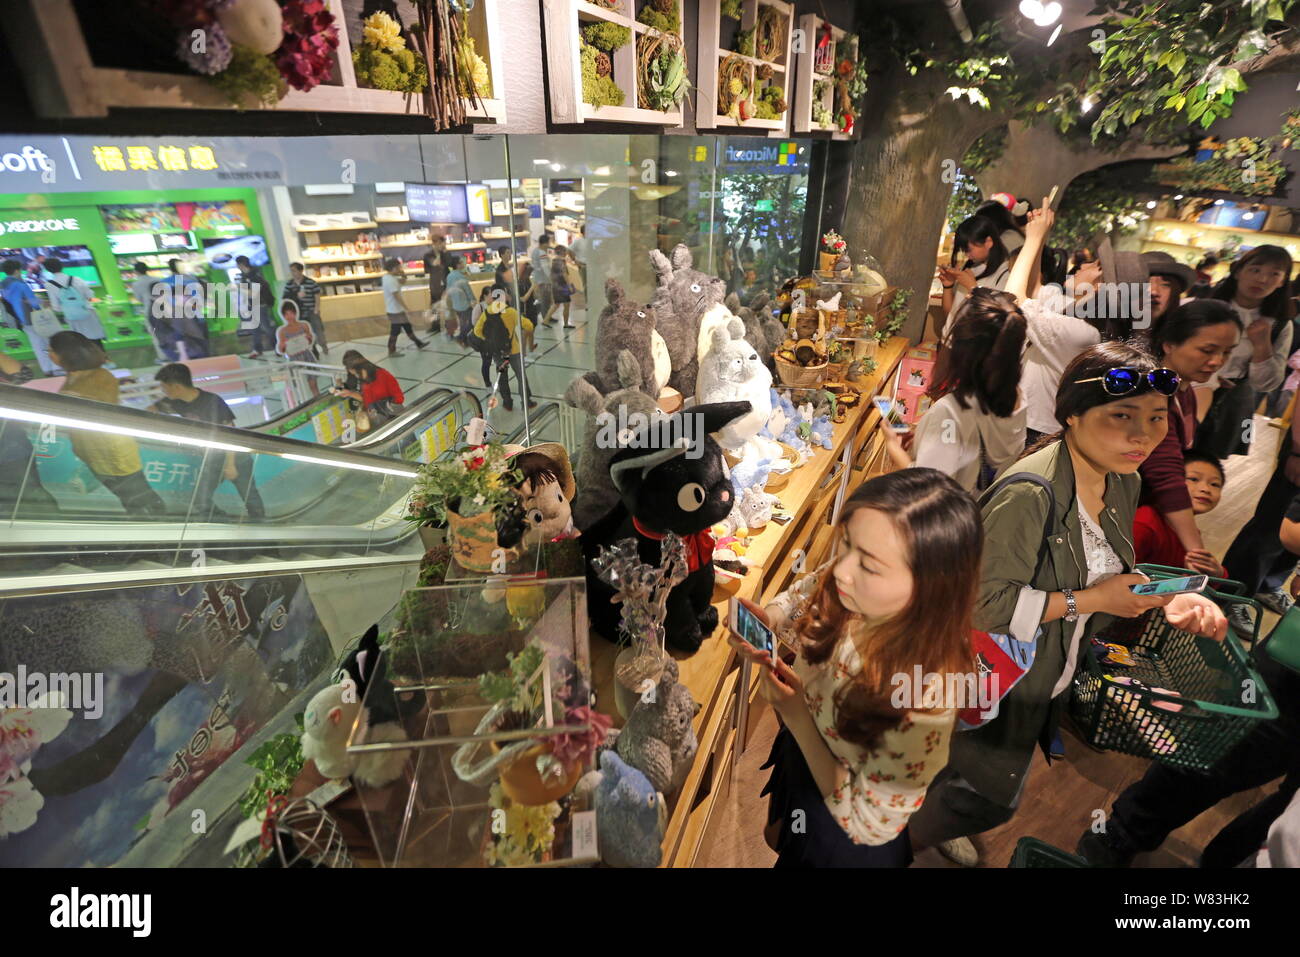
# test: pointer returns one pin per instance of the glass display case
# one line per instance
(485, 688)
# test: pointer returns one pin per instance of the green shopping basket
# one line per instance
(1031, 852)
(1210, 696)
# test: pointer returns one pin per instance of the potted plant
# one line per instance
(466, 492)
(517, 699)
(833, 246)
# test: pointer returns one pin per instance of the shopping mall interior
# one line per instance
(650, 433)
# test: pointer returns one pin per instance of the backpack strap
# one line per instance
(1049, 524)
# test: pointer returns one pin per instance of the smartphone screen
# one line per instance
(746, 624)
(1172, 586)
(890, 415)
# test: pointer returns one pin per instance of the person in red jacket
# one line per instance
(1154, 542)
(1193, 341)
(380, 393)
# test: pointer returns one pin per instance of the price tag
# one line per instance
(583, 829)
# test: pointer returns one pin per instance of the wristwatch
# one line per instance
(1071, 606)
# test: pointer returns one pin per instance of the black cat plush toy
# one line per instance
(671, 477)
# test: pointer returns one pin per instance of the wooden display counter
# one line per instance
(370, 305)
(714, 673)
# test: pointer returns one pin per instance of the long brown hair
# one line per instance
(982, 358)
(940, 526)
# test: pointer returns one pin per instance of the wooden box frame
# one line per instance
(806, 75)
(562, 19)
(47, 41)
(710, 56)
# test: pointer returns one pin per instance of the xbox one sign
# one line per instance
(39, 225)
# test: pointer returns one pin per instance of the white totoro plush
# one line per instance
(732, 371)
(718, 316)
(756, 506)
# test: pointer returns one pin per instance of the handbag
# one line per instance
(362, 419)
(44, 322)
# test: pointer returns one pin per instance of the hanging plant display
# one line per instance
(661, 15)
(661, 71)
(770, 103)
(769, 40)
(735, 87)
(598, 86)
(731, 8)
(383, 60)
(1242, 165)
(850, 85)
(255, 49)
(821, 113)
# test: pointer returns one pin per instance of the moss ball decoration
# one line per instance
(401, 70)
(596, 89)
(606, 36)
(661, 15)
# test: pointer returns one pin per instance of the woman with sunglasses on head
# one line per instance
(1194, 341)
(1060, 589)
(1258, 289)
(856, 750)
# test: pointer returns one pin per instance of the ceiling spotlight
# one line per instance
(1179, 196)
(1055, 33)
(1151, 204)
(557, 167)
(1032, 9)
(1086, 105)
(1050, 13)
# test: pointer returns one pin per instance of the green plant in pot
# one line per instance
(466, 492)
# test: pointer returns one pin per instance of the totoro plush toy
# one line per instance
(732, 371)
(671, 477)
(681, 301)
(625, 325)
(596, 496)
(631, 815)
(659, 737)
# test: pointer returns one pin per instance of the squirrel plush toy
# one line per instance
(671, 477)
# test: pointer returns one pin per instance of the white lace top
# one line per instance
(1102, 563)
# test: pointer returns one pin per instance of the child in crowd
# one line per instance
(1154, 542)
(900, 594)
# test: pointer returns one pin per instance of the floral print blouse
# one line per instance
(886, 784)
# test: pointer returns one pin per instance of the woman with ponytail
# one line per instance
(977, 416)
(1059, 587)
(987, 264)
(1258, 289)
(857, 749)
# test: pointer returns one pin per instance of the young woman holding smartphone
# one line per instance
(850, 764)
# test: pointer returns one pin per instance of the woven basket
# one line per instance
(800, 377)
(835, 371)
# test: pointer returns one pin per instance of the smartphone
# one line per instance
(1173, 586)
(890, 415)
(1051, 197)
(747, 625)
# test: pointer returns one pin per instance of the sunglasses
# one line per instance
(1124, 380)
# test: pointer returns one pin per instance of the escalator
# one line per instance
(320, 507)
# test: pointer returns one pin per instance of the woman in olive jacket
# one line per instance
(1058, 582)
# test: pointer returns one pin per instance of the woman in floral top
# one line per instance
(859, 743)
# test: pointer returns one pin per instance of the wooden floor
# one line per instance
(1059, 801)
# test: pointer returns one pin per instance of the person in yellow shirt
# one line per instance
(499, 328)
(114, 459)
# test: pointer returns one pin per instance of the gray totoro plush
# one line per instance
(684, 295)
(659, 739)
(624, 326)
(597, 495)
(762, 330)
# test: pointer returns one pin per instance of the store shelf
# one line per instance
(712, 54)
(517, 212)
(503, 235)
(378, 220)
(562, 20)
(339, 259)
(801, 107)
(334, 229)
(454, 246)
(353, 278)
(414, 242)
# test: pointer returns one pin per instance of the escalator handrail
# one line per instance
(35, 405)
(534, 421)
(410, 414)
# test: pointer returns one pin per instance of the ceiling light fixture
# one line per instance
(1086, 105)
(1055, 33)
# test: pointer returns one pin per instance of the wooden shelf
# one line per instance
(517, 212)
(414, 242)
(712, 54)
(806, 79)
(339, 259)
(562, 20)
(503, 235)
(466, 246)
(353, 278)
